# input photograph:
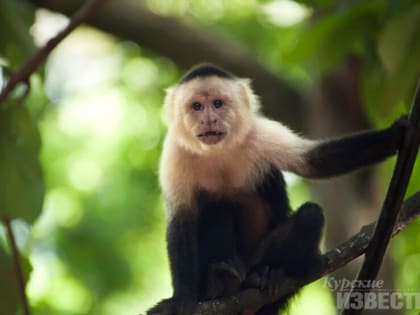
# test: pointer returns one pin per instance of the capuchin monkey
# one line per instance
(230, 225)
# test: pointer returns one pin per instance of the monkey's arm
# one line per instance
(183, 257)
(341, 155)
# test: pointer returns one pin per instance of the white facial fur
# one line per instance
(234, 118)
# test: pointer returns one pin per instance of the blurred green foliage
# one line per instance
(16, 43)
(98, 246)
(21, 179)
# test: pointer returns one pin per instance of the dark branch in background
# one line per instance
(393, 200)
(334, 259)
(32, 64)
(186, 45)
(17, 266)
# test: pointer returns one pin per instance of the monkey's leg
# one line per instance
(299, 253)
(290, 251)
(293, 241)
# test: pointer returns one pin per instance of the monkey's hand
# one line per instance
(174, 306)
(266, 279)
(399, 128)
(225, 278)
(233, 267)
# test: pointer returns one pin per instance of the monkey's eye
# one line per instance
(217, 103)
(196, 106)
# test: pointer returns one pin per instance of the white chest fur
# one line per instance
(183, 172)
(224, 173)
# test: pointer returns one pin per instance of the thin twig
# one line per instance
(32, 64)
(334, 259)
(393, 200)
(17, 266)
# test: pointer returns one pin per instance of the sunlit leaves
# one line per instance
(318, 3)
(21, 182)
(286, 12)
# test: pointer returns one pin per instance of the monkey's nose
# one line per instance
(209, 122)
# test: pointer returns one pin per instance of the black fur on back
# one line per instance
(203, 70)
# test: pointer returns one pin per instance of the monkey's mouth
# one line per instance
(211, 137)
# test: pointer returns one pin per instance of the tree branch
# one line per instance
(393, 200)
(17, 266)
(187, 45)
(333, 260)
(32, 64)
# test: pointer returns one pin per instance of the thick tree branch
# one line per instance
(32, 64)
(393, 200)
(334, 259)
(187, 45)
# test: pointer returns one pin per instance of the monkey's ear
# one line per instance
(248, 95)
(168, 105)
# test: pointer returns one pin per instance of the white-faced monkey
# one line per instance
(229, 221)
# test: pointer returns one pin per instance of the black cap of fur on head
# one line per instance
(203, 70)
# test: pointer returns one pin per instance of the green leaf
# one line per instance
(21, 182)
(398, 38)
(16, 18)
(399, 50)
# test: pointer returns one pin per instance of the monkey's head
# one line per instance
(210, 109)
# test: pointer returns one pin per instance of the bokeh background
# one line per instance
(91, 228)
